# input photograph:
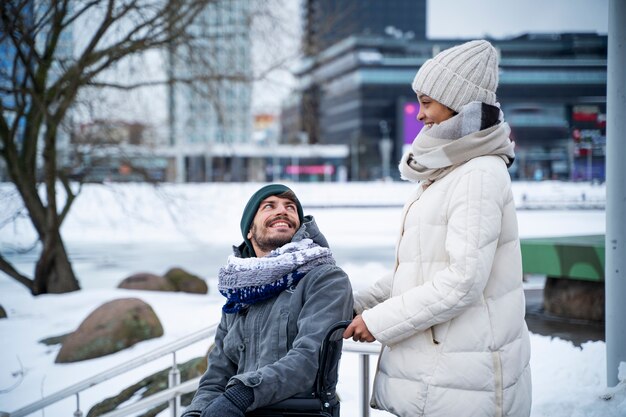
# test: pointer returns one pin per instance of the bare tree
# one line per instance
(38, 85)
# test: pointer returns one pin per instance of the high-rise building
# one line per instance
(328, 21)
(13, 72)
(214, 109)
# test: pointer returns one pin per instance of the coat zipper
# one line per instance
(432, 334)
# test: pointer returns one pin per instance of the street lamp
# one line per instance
(385, 146)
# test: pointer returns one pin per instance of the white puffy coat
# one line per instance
(451, 315)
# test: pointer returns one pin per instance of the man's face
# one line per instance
(432, 112)
(275, 223)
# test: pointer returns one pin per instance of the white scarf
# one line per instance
(438, 150)
(245, 281)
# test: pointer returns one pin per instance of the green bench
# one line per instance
(572, 257)
(574, 267)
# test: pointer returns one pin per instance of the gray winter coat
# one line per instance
(273, 345)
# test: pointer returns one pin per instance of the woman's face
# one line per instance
(432, 112)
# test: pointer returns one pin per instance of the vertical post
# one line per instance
(171, 100)
(385, 145)
(295, 163)
(615, 273)
(354, 154)
(181, 169)
(275, 161)
(365, 385)
(590, 161)
(208, 166)
(78, 413)
(174, 380)
(179, 164)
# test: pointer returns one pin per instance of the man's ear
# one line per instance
(249, 235)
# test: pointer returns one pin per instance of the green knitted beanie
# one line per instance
(253, 205)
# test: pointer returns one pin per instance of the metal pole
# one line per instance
(589, 161)
(174, 380)
(385, 146)
(365, 385)
(354, 154)
(615, 273)
(78, 412)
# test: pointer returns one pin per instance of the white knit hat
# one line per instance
(460, 75)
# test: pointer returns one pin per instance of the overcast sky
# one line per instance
(506, 18)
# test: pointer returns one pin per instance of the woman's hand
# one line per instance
(358, 331)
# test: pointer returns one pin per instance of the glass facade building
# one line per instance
(552, 89)
(328, 21)
(214, 109)
(13, 72)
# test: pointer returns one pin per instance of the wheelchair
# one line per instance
(323, 402)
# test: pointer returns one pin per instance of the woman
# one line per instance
(450, 316)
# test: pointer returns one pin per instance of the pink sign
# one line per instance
(310, 169)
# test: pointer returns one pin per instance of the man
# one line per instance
(283, 291)
(451, 315)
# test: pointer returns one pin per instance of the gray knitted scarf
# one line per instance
(438, 150)
(245, 281)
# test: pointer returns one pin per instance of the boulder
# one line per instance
(575, 299)
(183, 281)
(3, 313)
(110, 328)
(146, 281)
(54, 340)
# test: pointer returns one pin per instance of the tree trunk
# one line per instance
(53, 272)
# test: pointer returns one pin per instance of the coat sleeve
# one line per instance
(474, 217)
(328, 299)
(380, 291)
(374, 295)
(219, 370)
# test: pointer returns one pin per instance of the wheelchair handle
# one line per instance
(322, 391)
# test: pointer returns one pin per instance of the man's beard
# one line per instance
(269, 243)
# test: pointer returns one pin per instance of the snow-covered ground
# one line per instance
(116, 230)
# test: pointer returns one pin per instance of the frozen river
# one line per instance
(362, 240)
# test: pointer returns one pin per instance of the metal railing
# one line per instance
(77, 388)
(364, 350)
(175, 388)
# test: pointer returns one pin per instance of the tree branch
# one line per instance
(8, 269)
(181, 80)
(71, 196)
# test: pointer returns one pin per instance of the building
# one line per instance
(552, 89)
(116, 151)
(327, 22)
(214, 111)
(16, 102)
(213, 134)
(266, 128)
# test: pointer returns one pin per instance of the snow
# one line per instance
(116, 230)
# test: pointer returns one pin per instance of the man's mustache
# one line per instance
(280, 217)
